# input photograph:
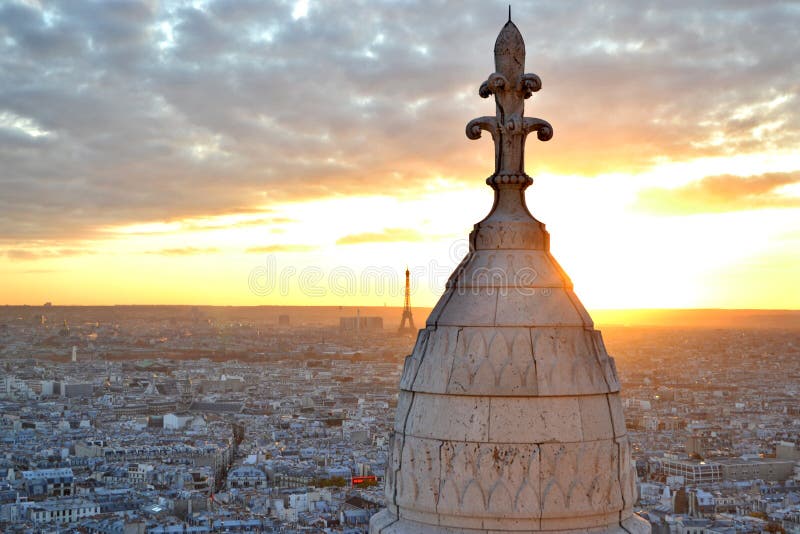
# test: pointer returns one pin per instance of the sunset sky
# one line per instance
(266, 152)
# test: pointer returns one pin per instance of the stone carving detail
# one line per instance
(580, 478)
(475, 126)
(393, 466)
(483, 479)
(509, 361)
(479, 479)
(509, 235)
(512, 269)
(493, 361)
(553, 480)
(627, 473)
(418, 480)
(510, 86)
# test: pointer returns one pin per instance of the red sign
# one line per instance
(356, 481)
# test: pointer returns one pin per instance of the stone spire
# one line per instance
(509, 417)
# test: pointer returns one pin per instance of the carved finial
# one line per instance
(510, 86)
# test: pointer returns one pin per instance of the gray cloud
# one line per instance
(122, 112)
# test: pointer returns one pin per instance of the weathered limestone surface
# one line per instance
(509, 417)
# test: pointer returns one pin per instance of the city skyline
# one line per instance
(162, 154)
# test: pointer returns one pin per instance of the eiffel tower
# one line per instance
(407, 317)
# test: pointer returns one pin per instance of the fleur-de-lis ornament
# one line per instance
(510, 86)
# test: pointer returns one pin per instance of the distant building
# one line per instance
(226, 384)
(246, 477)
(50, 388)
(139, 474)
(77, 390)
(766, 469)
(173, 421)
(62, 511)
(693, 472)
(360, 324)
(697, 445)
(58, 482)
(90, 448)
(698, 472)
(786, 450)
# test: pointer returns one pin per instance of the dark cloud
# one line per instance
(389, 235)
(122, 112)
(185, 251)
(715, 194)
(280, 248)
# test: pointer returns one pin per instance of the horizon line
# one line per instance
(363, 306)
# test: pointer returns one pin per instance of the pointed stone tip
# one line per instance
(509, 37)
(509, 46)
(509, 26)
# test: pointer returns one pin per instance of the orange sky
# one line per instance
(287, 154)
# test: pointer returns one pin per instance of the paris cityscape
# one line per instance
(196, 419)
(257, 273)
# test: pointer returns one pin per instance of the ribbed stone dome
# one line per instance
(509, 416)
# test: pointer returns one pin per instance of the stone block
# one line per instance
(404, 399)
(448, 417)
(418, 479)
(617, 416)
(584, 524)
(469, 308)
(595, 417)
(636, 525)
(380, 521)
(534, 420)
(436, 361)
(536, 307)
